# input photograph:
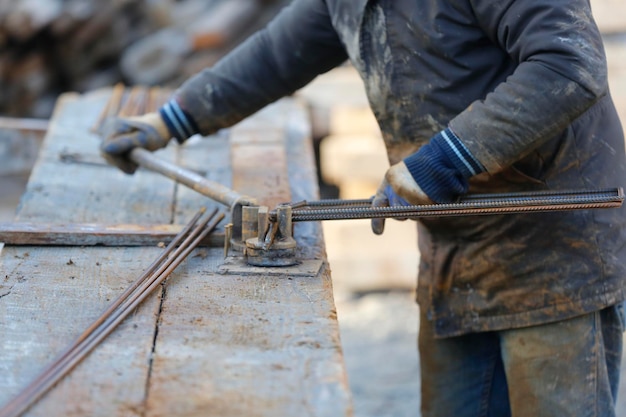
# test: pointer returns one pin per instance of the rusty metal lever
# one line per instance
(214, 190)
(196, 182)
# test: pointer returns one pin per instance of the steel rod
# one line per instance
(130, 304)
(480, 204)
(92, 234)
(196, 182)
(150, 270)
(113, 316)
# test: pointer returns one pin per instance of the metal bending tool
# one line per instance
(271, 243)
(265, 235)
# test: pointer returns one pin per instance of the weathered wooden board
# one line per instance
(210, 343)
(57, 292)
(90, 234)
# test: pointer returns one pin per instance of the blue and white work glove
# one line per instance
(437, 173)
(397, 189)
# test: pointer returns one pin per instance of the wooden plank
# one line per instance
(55, 293)
(222, 23)
(256, 345)
(67, 192)
(50, 295)
(259, 165)
(86, 234)
(214, 342)
(253, 343)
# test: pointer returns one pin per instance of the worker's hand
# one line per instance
(397, 189)
(122, 134)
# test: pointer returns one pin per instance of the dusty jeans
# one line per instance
(569, 368)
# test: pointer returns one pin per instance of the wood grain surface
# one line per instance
(224, 342)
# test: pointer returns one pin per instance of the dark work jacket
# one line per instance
(524, 86)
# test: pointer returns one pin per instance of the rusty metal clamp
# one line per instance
(269, 241)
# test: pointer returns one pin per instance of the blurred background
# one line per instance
(53, 46)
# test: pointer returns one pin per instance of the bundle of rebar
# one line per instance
(178, 249)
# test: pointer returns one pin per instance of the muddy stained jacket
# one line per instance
(524, 86)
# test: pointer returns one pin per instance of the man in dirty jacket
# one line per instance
(520, 314)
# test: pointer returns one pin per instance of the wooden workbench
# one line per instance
(218, 339)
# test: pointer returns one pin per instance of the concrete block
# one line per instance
(18, 151)
(362, 261)
(340, 86)
(616, 57)
(347, 157)
(348, 120)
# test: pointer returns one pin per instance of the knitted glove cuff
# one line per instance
(179, 123)
(442, 167)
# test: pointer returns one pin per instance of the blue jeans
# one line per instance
(568, 368)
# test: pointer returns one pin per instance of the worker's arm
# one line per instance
(296, 46)
(561, 73)
(299, 44)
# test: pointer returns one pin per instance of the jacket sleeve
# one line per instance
(561, 72)
(296, 46)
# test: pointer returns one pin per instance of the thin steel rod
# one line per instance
(42, 384)
(34, 391)
(590, 193)
(331, 203)
(85, 344)
(150, 270)
(26, 393)
(471, 204)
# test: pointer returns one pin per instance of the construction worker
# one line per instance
(520, 314)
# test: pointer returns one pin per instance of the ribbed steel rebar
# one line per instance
(478, 204)
(156, 273)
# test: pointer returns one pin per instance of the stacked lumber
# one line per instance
(52, 46)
